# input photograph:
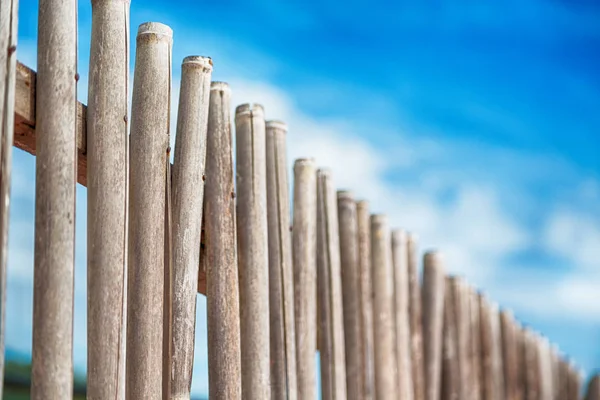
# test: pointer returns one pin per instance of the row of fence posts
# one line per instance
(340, 280)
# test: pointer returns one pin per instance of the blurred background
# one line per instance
(473, 124)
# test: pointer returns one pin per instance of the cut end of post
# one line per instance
(433, 259)
(278, 126)
(345, 195)
(399, 236)
(323, 173)
(220, 87)
(248, 109)
(379, 219)
(362, 204)
(198, 61)
(412, 237)
(300, 162)
(155, 28)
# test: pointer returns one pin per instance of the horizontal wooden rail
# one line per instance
(24, 137)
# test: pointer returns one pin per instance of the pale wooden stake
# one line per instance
(532, 369)
(366, 299)
(450, 360)
(555, 372)
(475, 341)
(416, 332)
(8, 65)
(253, 250)
(401, 315)
(383, 303)
(492, 370)
(546, 388)
(281, 274)
(521, 362)
(222, 286)
(304, 250)
(575, 382)
(188, 198)
(147, 193)
(348, 228)
(593, 389)
(461, 310)
(56, 174)
(510, 354)
(329, 296)
(433, 321)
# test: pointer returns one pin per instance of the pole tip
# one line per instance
(433, 259)
(220, 86)
(304, 162)
(248, 109)
(200, 61)
(277, 125)
(156, 28)
(345, 195)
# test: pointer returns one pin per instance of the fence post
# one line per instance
(509, 354)
(56, 177)
(493, 382)
(329, 295)
(188, 199)
(222, 286)
(253, 248)
(401, 315)
(8, 66)
(366, 298)
(433, 321)
(450, 360)
(532, 369)
(348, 229)
(546, 387)
(147, 193)
(416, 330)
(304, 250)
(383, 301)
(475, 341)
(281, 274)
(593, 389)
(461, 312)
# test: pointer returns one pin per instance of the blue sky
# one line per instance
(473, 124)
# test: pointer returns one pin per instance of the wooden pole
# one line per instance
(222, 286)
(56, 171)
(492, 370)
(281, 274)
(593, 389)
(575, 382)
(107, 157)
(521, 362)
(401, 315)
(148, 168)
(8, 66)
(475, 341)
(416, 333)
(329, 296)
(450, 360)
(366, 299)
(383, 303)
(510, 353)
(546, 388)
(532, 370)
(253, 250)
(349, 255)
(304, 248)
(461, 310)
(433, 321)
(555, 372)
(188, 198)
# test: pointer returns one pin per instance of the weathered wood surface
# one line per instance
(593, 389)
(450, 360)
(348, 228)
(366, 299)
(253, 250)
(281, 273)
(304, 251)
(416, 329)
(532, 367)
(188, 198)
(475, 355)
(401, 315)
(492, 370)
(222, 296)
(56, 169)
(509, 355)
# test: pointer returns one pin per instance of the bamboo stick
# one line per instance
(8, 66)
(401, 315)
(433, 321)
(366, 299)
(188, 198)
(349, 254)
(304, 250)
(593, 389)
(383, 302)
(416, 330)
(253, 248)
(148, 171)
(333, 360)
(222, 286)
(450, 360)
(509, 354)
(281, 274)
(56, 169)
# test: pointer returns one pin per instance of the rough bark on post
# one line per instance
(461, 312)
(188, 198)
(107, 157)
(510, 353)
(222, 286)
(450, 360)
(475, 341)
(8, 66)
(493, 383)
(416, 330)
(433, 321)
(56, 177)
(593, 389)
(401, 315)
(304, 250)
(329, 296)
(532, 370)
(281, 274)
(366, 299)
(383, 303)
(348, 229)
(253, 250)
(148, 168)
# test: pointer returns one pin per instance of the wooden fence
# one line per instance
(334, 279)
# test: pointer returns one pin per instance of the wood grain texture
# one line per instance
(450, 360)
(510, 352)
(416, 329)
(56, 169)
(532, 367)
(475, 341)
